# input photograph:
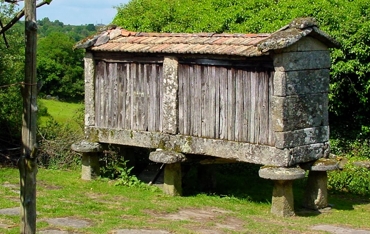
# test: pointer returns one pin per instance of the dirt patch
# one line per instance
(204, 221)
(69, 222)
(11, 211)
(339, 230)
(47, 186)
(138, 231)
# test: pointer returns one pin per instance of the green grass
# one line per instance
(244, 198)
(62, 112)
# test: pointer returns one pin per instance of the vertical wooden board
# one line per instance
(211, 115)
(108, 96)
(115, 95)
(159, 69)
(120, 95)
(252, 123)
(191, 101)
(139, 94)
(223, 103)
(263, 115)
(246, 104)
(133, 103)
(145, 116)
(152, 105)
(203, 101)
(186, 99)
(239, 110)
(231, 104)
(271, 140)
(128, 96)
(216, 75)
(198, 101)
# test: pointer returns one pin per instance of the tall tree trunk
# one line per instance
(27, 162)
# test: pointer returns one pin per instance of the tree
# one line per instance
(347, 21)
(60, 68)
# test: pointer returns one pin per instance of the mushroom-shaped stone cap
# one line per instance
(322, 164)
(325, 164)
(86, 147)
(281, 173)
(167, 157)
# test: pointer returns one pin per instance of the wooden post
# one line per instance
(27, 162)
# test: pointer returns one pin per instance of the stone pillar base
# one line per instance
(172, 179)
(90, 158)
(172, 171)
(316, 194)
(282, 196)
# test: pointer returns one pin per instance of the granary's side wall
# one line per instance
(300, 100)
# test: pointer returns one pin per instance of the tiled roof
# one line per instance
(182, 43)
(120, 40)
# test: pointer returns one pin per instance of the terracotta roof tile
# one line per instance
(184, 43)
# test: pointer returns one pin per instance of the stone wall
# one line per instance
(300, 99)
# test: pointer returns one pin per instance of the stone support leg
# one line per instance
(172, 179)
(282, 194)
(90, 166)
(316, 194)
(282, 198)
(90, 158)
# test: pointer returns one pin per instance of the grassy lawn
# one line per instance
(242, 205)
(62, 112)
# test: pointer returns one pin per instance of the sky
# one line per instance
(80, 12)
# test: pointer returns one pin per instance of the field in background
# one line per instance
(62, 112)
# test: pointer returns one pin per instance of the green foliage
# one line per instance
(117, 168)
(54, 142)
(347, 21)
(11, 73)
(351, 179)
(59, 67)
(76, 32)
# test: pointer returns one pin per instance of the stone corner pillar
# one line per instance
(90, 158)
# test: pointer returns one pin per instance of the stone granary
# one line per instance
(255, 98)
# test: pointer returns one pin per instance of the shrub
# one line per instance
(54, 142)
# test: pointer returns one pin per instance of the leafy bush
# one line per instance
(54, 142)
(115, 167)
(351, 179)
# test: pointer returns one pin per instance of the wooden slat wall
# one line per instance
(128, 95)
(225, 103)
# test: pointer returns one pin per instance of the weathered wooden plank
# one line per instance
(271, 140)
(263, 115)
(252, 125)
(152, 105)
(120, 95)
(129, 87)
(146, 88)
(239, 108)
(203, 77)
(231, 103)
(114, 116)
(217, 80)
(159, 74)
(212, 102)
(181, 96)
(246, 105)
(187, 98)
(223, 103)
